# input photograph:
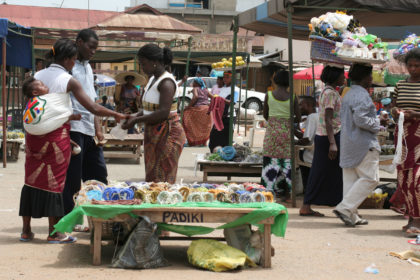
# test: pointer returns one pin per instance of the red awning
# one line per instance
(306, 74)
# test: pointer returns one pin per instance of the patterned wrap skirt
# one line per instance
(163, 144)
(408, 173)
(276, 172)
(197, 125)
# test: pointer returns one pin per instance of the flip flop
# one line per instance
(412, 232)
(65, 240)
(29, 237)
(80, 228)
(313, 213)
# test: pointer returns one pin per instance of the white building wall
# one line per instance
(301, 49)
(157, 4)
(243, 5)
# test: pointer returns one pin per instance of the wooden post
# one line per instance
(3, 102)
(187, 71)
(267, 246)
(292, 113)
(97, 239)
(233, 83)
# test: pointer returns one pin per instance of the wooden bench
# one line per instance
(195, 216)
(229, 169)
(130, 147)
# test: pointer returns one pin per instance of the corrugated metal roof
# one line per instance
(147, 22)
(47, 17)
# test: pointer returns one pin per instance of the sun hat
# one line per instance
(138, 79)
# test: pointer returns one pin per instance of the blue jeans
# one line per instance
(88, 165)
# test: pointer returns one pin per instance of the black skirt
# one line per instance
(37, 203)
(220, 138)
(325, 182)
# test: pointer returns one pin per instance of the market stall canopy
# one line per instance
(388, 19)
(306, 74)
(18, 44)
(104, 80)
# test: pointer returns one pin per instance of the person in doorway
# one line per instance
(325, 182)
(219, 136)
(89, 164)
(359, 155)
(276, 171)
(164, 136)
(307, 106)
(48, 155)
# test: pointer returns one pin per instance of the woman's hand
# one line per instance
(129, 123)
(118, 117)
(333, 151)
(395, 112)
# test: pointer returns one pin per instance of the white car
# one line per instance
(254, 101)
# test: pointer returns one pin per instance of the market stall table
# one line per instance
(229, 169)
(13, 147)
(272, 217)
(130, 147)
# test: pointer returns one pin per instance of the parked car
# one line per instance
(254, 101)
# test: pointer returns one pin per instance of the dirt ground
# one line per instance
(313, 248)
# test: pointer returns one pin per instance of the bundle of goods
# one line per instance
(375, 200)
(13, 134)
(227, 63)
(410, 42)
(339, 38)
(127, 193)
(235, 153)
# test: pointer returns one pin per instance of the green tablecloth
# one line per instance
(261, 212)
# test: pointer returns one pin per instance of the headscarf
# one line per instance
(200, 81)
(386, 101)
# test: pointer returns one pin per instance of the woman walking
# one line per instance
(407, 99)
(325, 182)
(197, 121)
(164, 136)
(276, 173)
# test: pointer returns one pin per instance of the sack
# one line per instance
(46, 113)
(142, 248)
(216, 256)
(246, 240)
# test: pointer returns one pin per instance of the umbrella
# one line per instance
(104, 80)
(306, 74)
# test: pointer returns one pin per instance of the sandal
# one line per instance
(313, 213)
(66, 239)
(412, 231)
(25, 237)
(80, 228)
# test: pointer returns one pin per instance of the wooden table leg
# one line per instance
(204, 176)
(97, 238)
(267, 246)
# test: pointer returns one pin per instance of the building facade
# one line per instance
(212, 16)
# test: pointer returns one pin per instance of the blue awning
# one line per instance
(18, 44)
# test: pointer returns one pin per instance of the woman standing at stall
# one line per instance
(197, 121)
(325, 182)
(48, 155)
(276, 172)
(407, 99)
(164, 136)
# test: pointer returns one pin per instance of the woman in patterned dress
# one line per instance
(276, 173)
(407, 99)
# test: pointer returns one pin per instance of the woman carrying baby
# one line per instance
(48, 147)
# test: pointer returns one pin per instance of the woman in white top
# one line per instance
(48, 155)
(164, 136)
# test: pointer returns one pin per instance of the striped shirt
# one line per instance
(407, 95)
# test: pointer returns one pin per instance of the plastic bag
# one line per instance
(142, 248)
(244, 239)
(46, 113)
(216, 256)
